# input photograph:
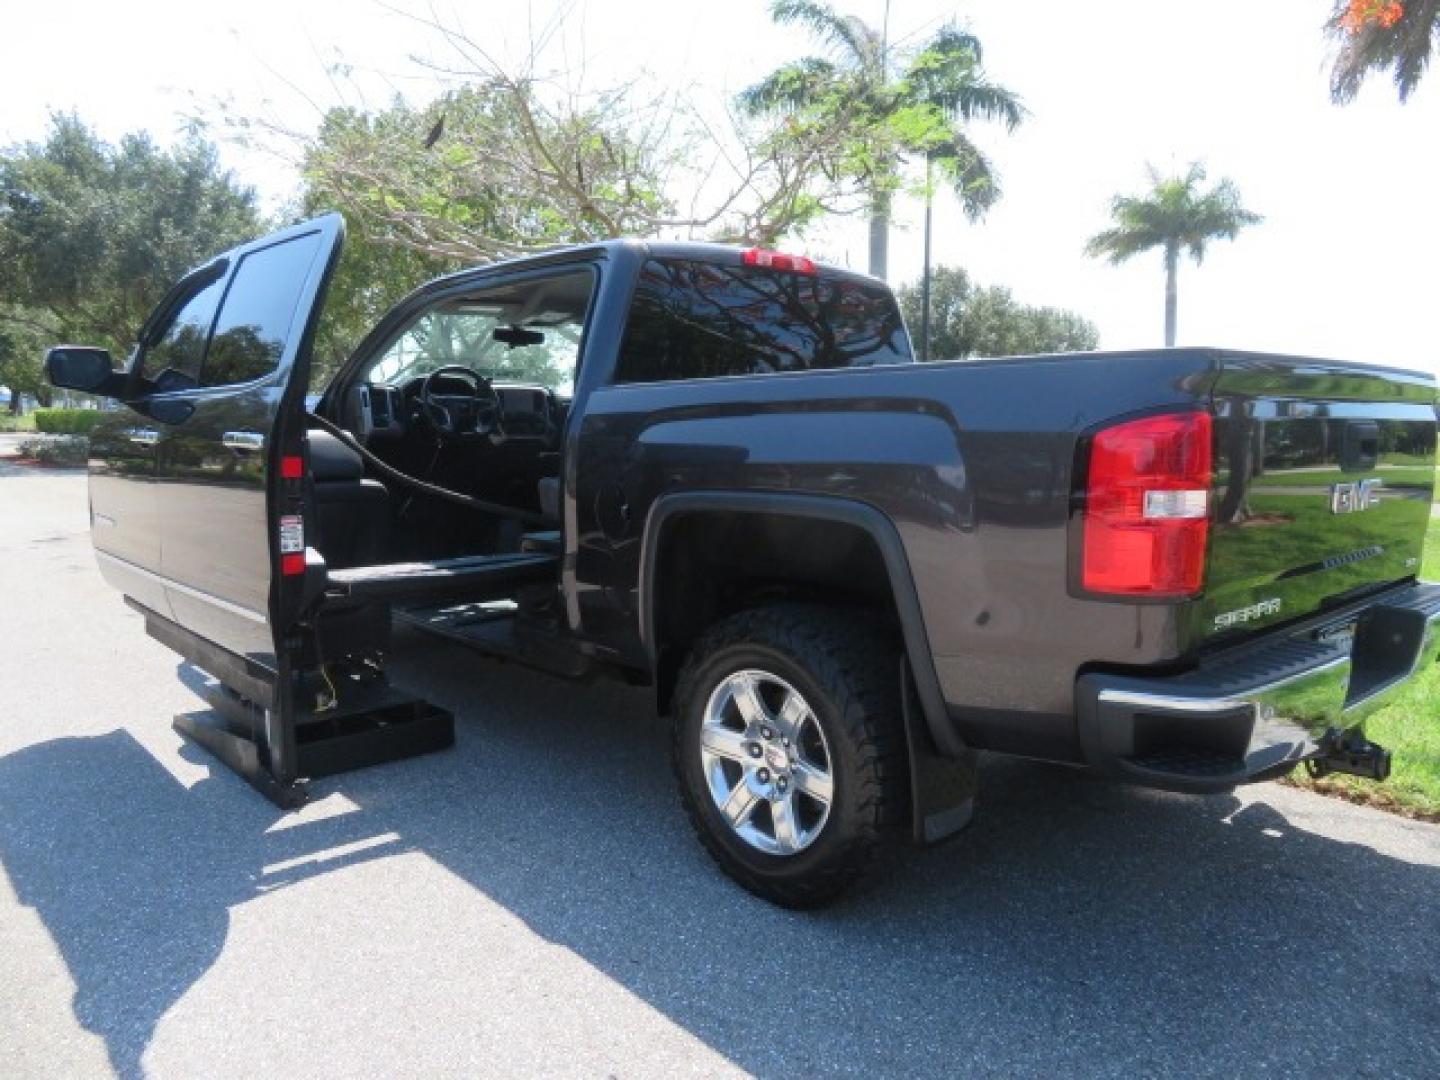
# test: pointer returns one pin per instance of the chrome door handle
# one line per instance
(243, 440)
(142, 436)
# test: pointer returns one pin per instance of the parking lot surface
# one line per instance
(531, 902)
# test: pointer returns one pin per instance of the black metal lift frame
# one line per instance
(257, 727)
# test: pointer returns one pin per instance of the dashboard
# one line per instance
(387, 412)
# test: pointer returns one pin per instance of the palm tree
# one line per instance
(1175, 215)
(1376, 35)
(880, 116)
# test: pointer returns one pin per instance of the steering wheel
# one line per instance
(472, 415)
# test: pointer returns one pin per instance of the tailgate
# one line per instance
(1324, 479)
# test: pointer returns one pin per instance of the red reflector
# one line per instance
(292, 467)
(1138, 542)
(292, 565)
(778, 260)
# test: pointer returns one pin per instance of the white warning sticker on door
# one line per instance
(292, 535)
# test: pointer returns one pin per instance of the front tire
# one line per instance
(789, 750)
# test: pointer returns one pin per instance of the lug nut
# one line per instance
(763, 776)
(755, 750)
(766, 733)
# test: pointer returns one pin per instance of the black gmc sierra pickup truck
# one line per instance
(719, 472)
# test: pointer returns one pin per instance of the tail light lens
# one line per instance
(1147, 507)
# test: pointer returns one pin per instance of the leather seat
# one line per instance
(354, 510)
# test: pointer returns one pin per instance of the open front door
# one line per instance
(221, 426)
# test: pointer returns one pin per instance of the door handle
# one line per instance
(142, 436)
(243, 440)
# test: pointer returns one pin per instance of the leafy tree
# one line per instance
(967, 320)
(1178, 214)
(880, 116)
(23, 338)
(1374, 36)
(92, 235)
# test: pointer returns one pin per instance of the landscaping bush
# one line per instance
(57, 449)
(66, 421)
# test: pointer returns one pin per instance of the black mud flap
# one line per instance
(942, 789)
(256, 726)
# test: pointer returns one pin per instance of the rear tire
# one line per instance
(788, 746)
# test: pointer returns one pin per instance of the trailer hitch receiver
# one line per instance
(1350, 753)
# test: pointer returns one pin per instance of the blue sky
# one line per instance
(1343, 266)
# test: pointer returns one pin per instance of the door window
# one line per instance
(254, 325)
(173, 362)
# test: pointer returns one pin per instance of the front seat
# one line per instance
(354, 510)
(547, 542)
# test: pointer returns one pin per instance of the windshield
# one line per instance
(525, 332)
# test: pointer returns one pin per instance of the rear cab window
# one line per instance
(698, 320)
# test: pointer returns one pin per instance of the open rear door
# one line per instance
(229, 435)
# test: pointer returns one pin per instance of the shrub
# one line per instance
(66, 421)
(57, 449)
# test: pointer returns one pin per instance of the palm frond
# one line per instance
(1405, 49)
(790, 88)
(947, 73)
(1176, 214)
(969, 171)
(846, 33)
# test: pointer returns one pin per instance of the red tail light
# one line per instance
(1147, 507)
(778, 260)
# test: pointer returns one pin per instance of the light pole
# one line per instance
(925, 273)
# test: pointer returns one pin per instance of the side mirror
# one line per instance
(80, 367)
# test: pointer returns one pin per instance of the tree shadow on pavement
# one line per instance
(1075, 927)
(133, 873)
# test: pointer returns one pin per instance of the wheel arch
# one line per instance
(662, 535)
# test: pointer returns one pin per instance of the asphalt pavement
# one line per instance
(531, 902)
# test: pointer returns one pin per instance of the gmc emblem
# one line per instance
(1352, 498)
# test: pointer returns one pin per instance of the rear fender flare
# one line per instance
(861, 515)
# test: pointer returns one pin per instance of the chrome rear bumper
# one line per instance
(1255, 711)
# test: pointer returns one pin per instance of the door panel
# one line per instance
(215, 452)
(124, 514)
(125, 520)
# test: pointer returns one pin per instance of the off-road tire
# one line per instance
(848, 672)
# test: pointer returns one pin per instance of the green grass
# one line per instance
(9, 422)
(1410, 728)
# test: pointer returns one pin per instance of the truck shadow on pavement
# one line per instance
(1076, 927)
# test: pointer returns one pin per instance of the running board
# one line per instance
(451, 580)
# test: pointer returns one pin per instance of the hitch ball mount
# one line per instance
(1351, 753)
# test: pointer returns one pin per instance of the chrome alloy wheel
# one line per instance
(766, 762)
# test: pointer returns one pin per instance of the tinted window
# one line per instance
(254, 324)
(693, 320)
(173, 362)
